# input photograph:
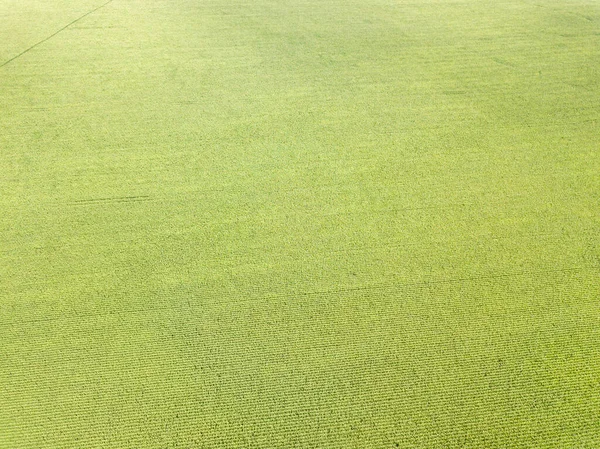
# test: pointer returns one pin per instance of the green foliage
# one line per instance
(310, 223)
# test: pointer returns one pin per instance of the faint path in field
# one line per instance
(326, 293)
(54, 34)
(109, 200)
(504, 63)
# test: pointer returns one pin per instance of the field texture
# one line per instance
(329, 224)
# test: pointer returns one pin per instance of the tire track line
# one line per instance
(54, 34)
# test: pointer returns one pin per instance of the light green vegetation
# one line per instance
(299, 224)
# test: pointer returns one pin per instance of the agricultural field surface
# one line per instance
(309, 224)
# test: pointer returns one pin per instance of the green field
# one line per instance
(273, 224)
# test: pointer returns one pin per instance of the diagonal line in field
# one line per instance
(54, 34)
